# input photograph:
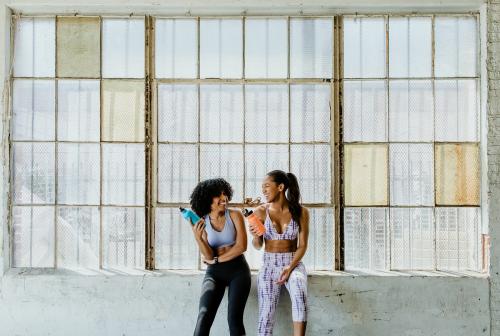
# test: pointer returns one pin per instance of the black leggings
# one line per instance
(234, 274)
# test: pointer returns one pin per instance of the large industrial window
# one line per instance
(115, 120)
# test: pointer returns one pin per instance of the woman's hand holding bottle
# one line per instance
(199, 231)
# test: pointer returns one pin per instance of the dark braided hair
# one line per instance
(205, 191)
(292, 191)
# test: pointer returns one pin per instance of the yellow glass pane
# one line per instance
(365, 175)
(123, 110)
(457, 174)
(78, 47)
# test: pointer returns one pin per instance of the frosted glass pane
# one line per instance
(364, 47)
(312, 166)
(266, 113)
(123, 174)
(34, 173)
(412, 239)
(34, 47)
(123, 48)
(78, 172)
(177, 172)
(320, 254)
(175, 246)
(123, 110)
(33, 236)
(458, 239)
(33, 109)
(366, 238)
(176, 48)
(457, 174)
(123, 236)
(78, 47)
(456, 46)
(411, 110)
(221, 48)
(78, 110)
(224, 161)
(365, 175)
(310, 112)
(365, 111)
(456, 110)
(78, 237)
(177, 113)
(266, 48)
(412, 174)
(311, 48)
(410, 46)
(221, 113)
(260, 160)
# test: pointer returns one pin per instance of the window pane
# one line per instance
(178, 113)
(365, 175)
(176, 48)
(456, 110)
(35, 47)
(266, 48)
(34, 175)
(411, 110)
(456, 46)
(78, 110)
(457, 174)
(175, 244)
(33, 236)
(310, 112)
(365, 234)
(123, 174)
(78, 237)
(221, 113)
(410, 46)
(364, 47)
(123, 238)
(78, 174)
(221, 48)
(78, 47)
(177, 172)
(458, 238)
(312, 166)
(266, 113)
(412, 174)
(33, 109)
(412, 239)
(365, 111)
(311, 49)
(259, 160)
(123, 110)
(320, 255)
(123, 48)
(224, 161)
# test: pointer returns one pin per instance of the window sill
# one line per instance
(26, 272)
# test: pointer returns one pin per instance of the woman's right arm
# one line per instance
(201, 239)
(257, 240)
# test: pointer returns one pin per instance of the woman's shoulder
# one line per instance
(235, 213)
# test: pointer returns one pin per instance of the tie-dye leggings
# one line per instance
(269, 290)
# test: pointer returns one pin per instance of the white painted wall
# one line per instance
(62, 303)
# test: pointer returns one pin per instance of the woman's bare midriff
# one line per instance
(222, 250)
(280, 245)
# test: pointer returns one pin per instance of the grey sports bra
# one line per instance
(226, 237)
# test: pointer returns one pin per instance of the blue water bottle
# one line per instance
(189, 215)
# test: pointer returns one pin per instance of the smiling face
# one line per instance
(219, 203)
(271, 189)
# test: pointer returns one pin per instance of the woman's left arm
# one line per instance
(240, 246)
(301, 247)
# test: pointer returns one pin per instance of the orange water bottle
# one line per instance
(255, 222)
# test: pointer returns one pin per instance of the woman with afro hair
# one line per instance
(222, 239)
